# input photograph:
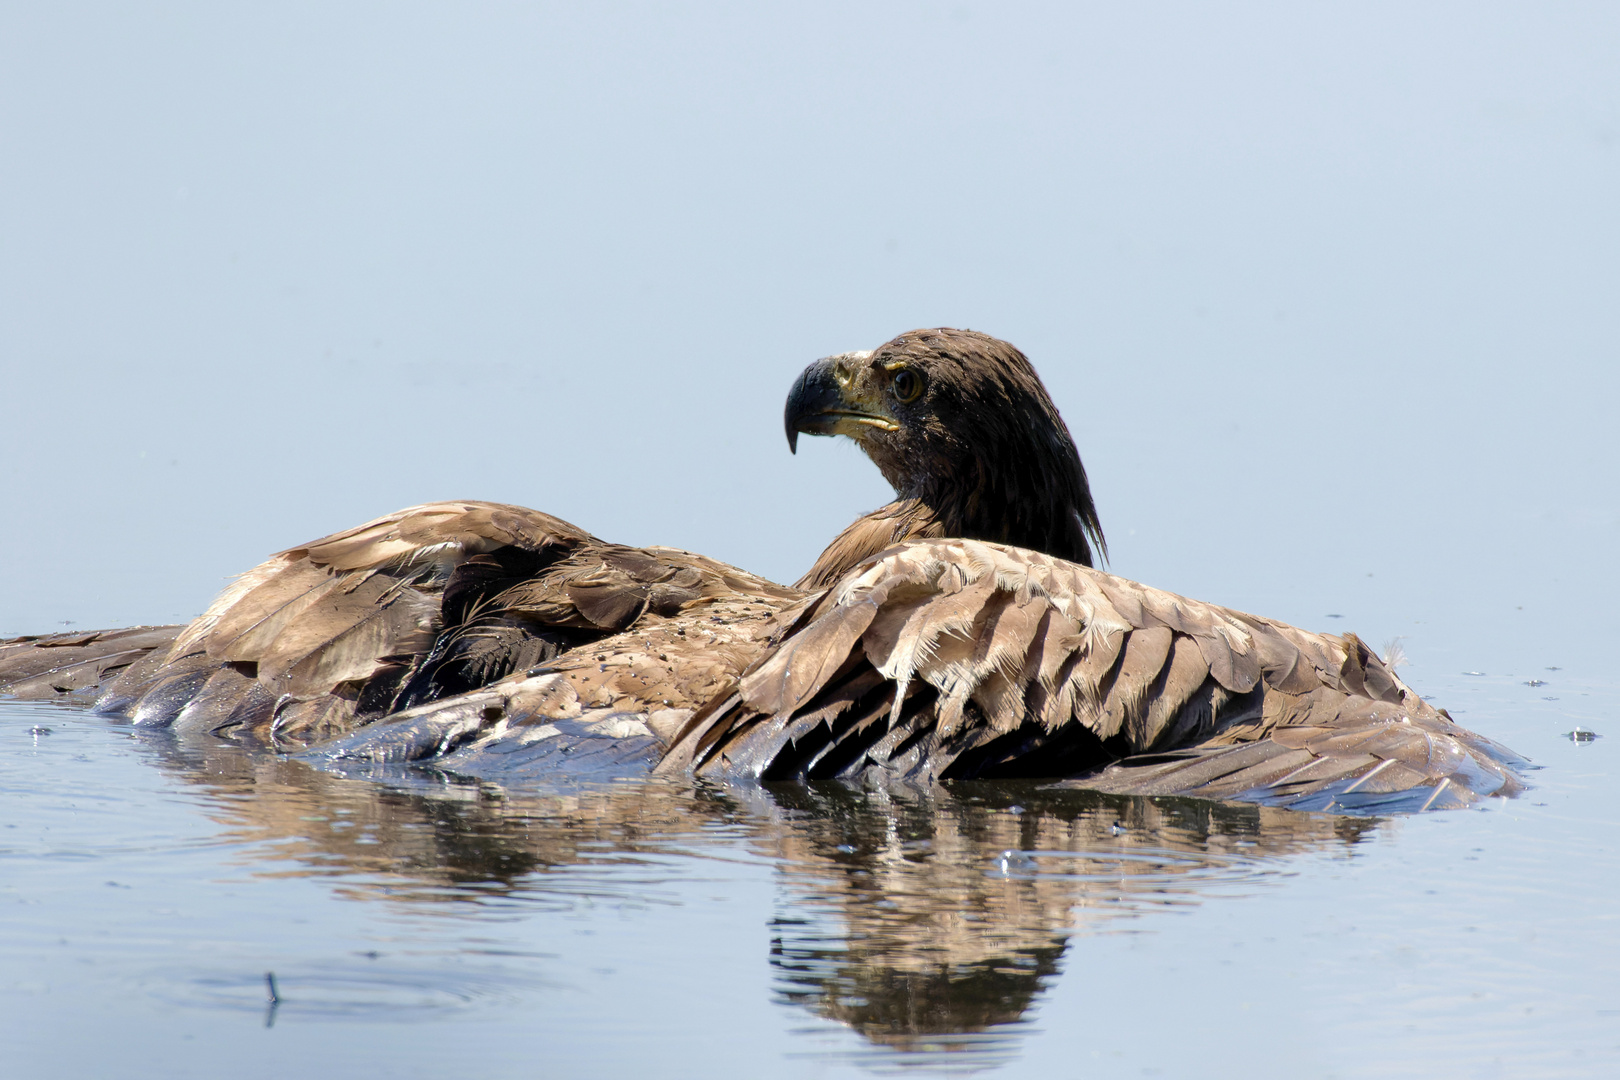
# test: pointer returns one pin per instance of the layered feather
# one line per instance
(1008, 662)
(427, 603)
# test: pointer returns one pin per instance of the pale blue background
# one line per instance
(1322, 291)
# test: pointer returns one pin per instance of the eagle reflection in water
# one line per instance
(926, 919)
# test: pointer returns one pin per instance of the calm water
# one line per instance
(417, 924)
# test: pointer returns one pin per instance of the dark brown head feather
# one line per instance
(978, 451)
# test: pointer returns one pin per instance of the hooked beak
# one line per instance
(823, 401)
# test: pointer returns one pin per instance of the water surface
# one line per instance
(151, 886)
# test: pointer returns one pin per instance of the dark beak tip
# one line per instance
(815, 393)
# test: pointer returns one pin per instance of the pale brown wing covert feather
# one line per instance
(1011, 644)
(331, 635)
(470, 527)
(313, 619)
(291, 651)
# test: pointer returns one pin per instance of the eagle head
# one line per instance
(961, 426)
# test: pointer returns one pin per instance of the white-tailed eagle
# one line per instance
(958, 632)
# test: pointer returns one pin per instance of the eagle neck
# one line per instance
(1023, 511)
(1021, 508)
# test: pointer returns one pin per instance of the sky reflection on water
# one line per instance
(928, 922)
(154, 882)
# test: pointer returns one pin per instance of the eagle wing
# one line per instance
(417, 606)
(73, 667)
(954, 659)
(937, 659)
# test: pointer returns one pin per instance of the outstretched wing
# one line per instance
(333, 596)
(955, 658)
(416, 607)
(74, 667)
(318, 633)
(300, 645)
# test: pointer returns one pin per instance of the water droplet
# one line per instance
(1014, 862)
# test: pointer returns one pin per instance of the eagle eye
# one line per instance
(908, 386)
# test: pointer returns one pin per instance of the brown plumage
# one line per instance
(412, 608)
(958, 659)
(957, 632)
(963, 430)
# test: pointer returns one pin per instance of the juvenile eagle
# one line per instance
(958, 632)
